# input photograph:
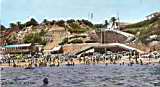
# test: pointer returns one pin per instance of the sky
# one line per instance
(131, 11)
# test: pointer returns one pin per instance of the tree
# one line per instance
(86, 22)
(19, 25)
(2, 28)
(53, 22)
(12, 25)
(106, 23)
(70, 21)
(32, 22)
(99, 25)
(61, 23)
(113, 21)
(46, 22)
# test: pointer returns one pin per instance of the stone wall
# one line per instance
(110, 37)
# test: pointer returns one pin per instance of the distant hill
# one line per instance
(48, 33)
(144, 29)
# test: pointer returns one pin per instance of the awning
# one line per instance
(17, 45)
(57, 48)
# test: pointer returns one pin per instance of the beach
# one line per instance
(41, 62)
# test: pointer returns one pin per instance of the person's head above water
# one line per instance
(45, 81)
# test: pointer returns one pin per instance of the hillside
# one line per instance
(48, 33)
(54, 33)
(144, 29)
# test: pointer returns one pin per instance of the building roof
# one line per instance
(17, 45)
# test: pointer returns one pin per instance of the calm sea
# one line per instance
(83, 76)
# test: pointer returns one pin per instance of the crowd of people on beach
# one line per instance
(68, 60)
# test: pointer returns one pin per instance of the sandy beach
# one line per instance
(78, 61)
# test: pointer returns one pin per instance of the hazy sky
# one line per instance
(128, 10)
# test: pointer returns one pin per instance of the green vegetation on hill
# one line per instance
(143, 23)
(35, 38)
(144, 29)
(79, 26)
(73, 39)
(76, 41)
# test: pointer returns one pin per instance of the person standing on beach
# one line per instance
(141, 62)
(94, 60)
(9, 61)
(111, 60)
(97, 59)
(84, 59)
(80, 60)
(130, 57)
(136, 56)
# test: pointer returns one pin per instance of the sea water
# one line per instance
(83, 76)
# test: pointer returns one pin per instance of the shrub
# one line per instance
(76, 41)
(46, 22)
(83, 36)
(2, 28)
(99, 26)
(52, 22)
(86, 22)
(64, 41)
(61, 23)
(80, 30)
(34, 38)
(90, 41)
(74, 25)
(78, 36)
(42, 33)
(31, 22)
(70, 21)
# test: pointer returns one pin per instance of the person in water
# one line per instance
(141, 62)
(45, 82)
